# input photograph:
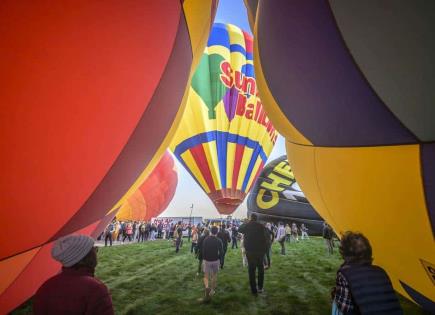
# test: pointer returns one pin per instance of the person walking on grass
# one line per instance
(193, 247)
(361, 287)
(212, 252)
(295, 236)
(142, 228)
(281, 236)
(189, 232)
(255, 243)
(128, 232)
(74, 290)
(110, 229)
(288, 232)
(234, 235)
(178, 235)
(205, 233)
(270, 240)
(304, 232)
(225, 237)
(120, 231)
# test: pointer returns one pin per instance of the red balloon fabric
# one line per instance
(90, 94)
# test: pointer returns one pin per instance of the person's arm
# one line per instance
(242, 228)
(221, 249)
(343, 297)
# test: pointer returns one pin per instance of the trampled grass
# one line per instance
(150, 278)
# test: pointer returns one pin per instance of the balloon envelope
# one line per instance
(81, 94)
(225, 137)
(276, 196)
(355, 103)
(154, 195)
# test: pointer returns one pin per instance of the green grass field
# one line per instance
(150, 278)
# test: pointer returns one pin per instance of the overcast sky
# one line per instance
(188, 191)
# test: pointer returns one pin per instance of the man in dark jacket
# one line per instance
(75, 290)
(205, 233)
(212, 251)
(225, 237)
(255, 243)
(234, 234)
(110, 229)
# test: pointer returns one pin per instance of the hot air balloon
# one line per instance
(224, 137)
(276, 196)
(154, 195)
(90, 95)
(350, 86)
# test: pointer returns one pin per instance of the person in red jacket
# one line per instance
(74, 290)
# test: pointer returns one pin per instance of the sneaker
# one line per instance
(260, 290)
(212, 292)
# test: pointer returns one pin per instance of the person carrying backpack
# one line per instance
(109, 233)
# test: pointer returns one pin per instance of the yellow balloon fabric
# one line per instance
(354, 101)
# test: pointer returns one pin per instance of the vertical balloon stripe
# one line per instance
(247, 155)
(211, 154)
(249, 45)
(201, 160)
(237, 162)
(250, 167)
(231, 152)
(257, 173)
(218, 36)
(188, 159)
(221, 145)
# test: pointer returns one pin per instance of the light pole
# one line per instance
(190, 217)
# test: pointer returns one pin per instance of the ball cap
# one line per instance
(69, 250)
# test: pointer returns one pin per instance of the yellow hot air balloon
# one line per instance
(225, 136)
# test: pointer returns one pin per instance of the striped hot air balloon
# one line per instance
(225, 136)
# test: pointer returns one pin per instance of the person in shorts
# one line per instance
(212, 252)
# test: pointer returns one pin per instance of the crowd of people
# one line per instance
(141, 231)
(361, 287)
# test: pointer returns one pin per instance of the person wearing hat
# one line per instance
(74, 290)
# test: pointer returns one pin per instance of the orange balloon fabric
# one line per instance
(155, 194)
(90, 95)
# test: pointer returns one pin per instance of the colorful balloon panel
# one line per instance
(354, 100)
(225, 136)
(276, 196)
(154, 195)
(81, 94)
